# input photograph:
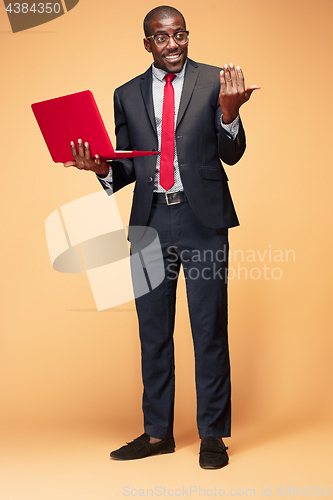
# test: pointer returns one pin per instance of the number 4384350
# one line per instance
(36, 8)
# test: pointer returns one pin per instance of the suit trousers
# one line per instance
(203, 253)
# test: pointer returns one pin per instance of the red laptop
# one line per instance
(72, 117)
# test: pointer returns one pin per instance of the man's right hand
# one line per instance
(84, 161)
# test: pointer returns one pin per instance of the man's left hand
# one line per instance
(232, 92)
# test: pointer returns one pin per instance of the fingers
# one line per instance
(241, 79)
(233, 75)
(231, 79)
(70, 164)
(222, 81)
(88, 156)
(232, 91)
(73, 148)
(98, 160)
(249, 91)
(75, 156)
(81, 148)
(227, 79)
(87, 151)
(82, 157)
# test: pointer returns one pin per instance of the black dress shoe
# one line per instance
(141, 447)
(213, 454)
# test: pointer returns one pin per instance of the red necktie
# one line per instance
(168, 134)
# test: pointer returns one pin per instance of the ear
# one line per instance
(146, 44)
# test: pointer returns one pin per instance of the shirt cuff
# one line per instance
(109, 177)
(108, 180)
(231, 128)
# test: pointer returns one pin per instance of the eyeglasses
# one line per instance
(162, 39)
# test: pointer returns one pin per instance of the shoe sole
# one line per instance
(162, 452)
(213, 467)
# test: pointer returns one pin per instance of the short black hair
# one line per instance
(162, 12)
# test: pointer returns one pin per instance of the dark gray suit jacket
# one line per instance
(201, 143)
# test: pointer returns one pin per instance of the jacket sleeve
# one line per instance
(122, 170)
(230, 150)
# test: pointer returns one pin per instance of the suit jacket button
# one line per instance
(150, 179)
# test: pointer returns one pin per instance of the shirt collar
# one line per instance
(160, 73)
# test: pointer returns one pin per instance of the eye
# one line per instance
(160, 38)
(180, 36)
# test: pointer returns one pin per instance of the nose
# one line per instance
(171, 42)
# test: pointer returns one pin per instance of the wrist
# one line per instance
(228, 118)
(103, 171)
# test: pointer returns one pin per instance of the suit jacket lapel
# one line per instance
(147, 94)
(191, 75)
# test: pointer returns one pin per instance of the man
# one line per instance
(189, 112)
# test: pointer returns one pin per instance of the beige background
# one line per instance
(71, 387)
